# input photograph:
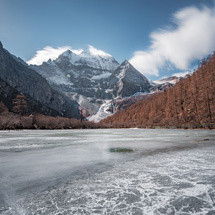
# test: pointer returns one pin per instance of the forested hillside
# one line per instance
(190, 103)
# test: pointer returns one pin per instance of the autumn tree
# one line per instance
(3, 108)
(20, 104)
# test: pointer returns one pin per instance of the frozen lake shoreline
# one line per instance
(74, 171)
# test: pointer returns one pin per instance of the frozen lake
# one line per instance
(77, 172)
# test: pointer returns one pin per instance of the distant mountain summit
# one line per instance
(92, 77)
(93, 58)
(83, 73)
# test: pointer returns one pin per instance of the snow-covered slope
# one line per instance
(105, 110)
(168, 80)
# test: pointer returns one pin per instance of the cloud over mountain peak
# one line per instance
(52, 53)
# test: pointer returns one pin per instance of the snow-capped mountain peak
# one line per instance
(69, 52)
(93, 57)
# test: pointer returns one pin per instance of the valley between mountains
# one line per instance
(91, 85)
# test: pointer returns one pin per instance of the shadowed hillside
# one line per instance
(190, 103)
(16, 77)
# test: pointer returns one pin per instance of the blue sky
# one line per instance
(119, 27)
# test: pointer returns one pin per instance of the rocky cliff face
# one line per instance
(20, 77)
(126, 81)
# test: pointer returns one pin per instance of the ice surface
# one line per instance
(73, 172)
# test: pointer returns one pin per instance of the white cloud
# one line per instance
(49, 52)
(96, 52)
(191, 39)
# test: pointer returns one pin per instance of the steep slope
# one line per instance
(19, 77)
(191, 102)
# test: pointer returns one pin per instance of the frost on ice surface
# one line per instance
(73, 172)
(147, 186)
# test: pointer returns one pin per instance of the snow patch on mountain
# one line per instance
(88, 108)
(101, 76)
(59, 80)
(165, 81)
(105, 110)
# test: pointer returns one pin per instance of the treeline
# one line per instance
(190, 103)
(10, 120)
